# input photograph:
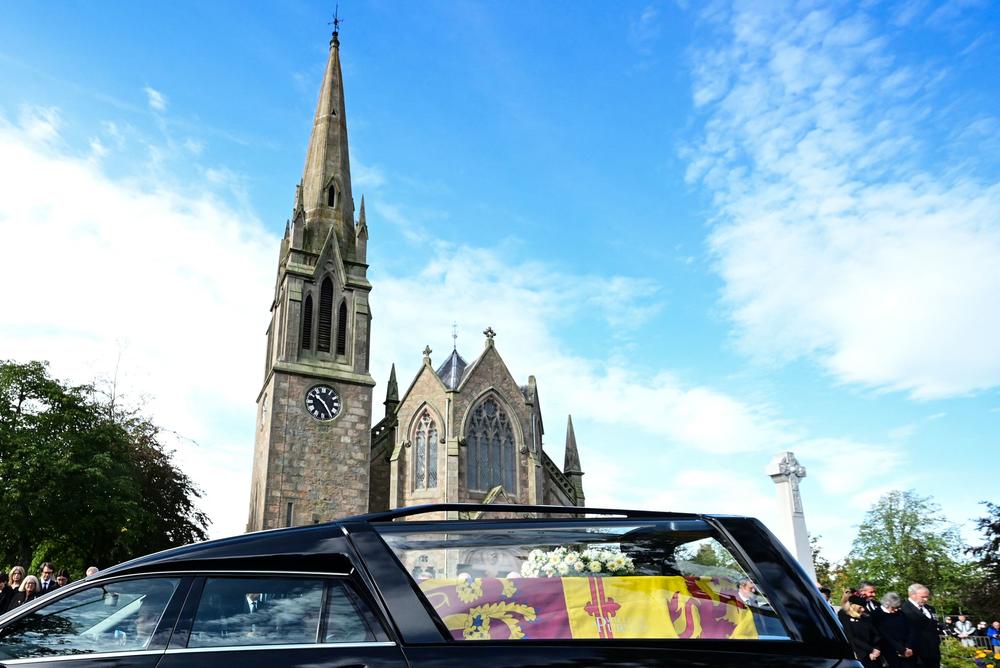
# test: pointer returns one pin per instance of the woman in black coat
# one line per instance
(860, 629)
(29, 591)
(894, 629)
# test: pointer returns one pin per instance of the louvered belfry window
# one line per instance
(325, 316)
(490, 448)
(307, 323)
(342, 328)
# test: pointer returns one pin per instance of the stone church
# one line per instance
(461, 432)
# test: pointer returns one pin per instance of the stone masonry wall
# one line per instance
(322, 468)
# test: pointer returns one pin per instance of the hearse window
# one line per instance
(112, 617)
(662, 580)
(241, 611)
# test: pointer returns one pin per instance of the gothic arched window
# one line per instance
(331, 195)
(325, 315)
(490, 447)
(425, 457)
(342, 328)
(307, 323)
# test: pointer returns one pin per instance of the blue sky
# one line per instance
(714, 231)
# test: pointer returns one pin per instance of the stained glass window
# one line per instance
(490, 447)
(425, 459)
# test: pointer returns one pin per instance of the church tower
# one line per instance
(311, 456)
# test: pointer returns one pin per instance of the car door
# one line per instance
(115, 623)
(292, 620)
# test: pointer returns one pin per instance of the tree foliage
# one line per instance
(987, 597)
(904, 539)
(83, 481)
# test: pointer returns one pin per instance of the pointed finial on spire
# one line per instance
(454, 336)
(571, 463)
(489, 336)
(391, 392)
(335, 38)
(427, 354)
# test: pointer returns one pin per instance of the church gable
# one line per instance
(419, 458)
(495, 426)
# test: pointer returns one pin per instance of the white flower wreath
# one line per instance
(561, 562)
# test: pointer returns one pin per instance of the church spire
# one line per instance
(326, 178)
(571, 464)
(391, 393)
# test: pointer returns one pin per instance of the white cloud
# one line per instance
(157, 100)
(365, 177)
(176, 284)
(834, 240)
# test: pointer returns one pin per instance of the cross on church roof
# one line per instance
(427, 351)
(489, 333)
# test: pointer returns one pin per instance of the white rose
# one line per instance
(595, 566)
(579, 567)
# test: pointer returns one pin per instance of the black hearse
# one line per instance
(447, 585)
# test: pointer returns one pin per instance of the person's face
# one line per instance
(46, 574)
(996, 625)
(961, 618)
(15, 577)
(920, 597)
(29, 586)
(747, 589)
(867, 592)
(62, 580)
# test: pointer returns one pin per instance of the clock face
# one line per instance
(323, 402)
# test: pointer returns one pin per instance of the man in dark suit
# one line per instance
(46, 580)
(866, 590)
(924, 623)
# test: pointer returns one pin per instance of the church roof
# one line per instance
(452, 371)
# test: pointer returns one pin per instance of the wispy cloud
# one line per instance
(837, 237)
(157, 100)
(644, 29)
(167, 277)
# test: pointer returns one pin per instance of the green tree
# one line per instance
(84, 481)
(904, 539)
(987, 597)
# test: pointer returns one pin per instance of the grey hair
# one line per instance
(891, 600)
(915, 587)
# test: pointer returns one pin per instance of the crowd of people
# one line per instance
(894, 632)
(17, 587)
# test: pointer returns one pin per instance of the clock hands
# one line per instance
(329, 411)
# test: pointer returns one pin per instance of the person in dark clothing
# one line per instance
(861, 631)
(7, 593)
(894, 630)
(47, 579)
(28, 591)
(923, 621)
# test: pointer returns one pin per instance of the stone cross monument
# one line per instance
(786, 472)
